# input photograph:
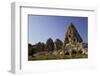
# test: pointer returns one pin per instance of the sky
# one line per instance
(43, 27)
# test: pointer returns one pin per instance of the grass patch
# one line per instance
(54, 57)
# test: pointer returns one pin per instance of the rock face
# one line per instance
(58, 44)
(40, 46)
(72, 36)
(72, 46)
(49, 45)
(73, 42)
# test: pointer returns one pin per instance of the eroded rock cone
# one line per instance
(58, 44)
(72, 36)
(49, 45)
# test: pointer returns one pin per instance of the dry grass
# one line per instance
(54, 57)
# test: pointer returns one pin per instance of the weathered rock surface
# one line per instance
(72, 36)
(58, 44)
(49, 45)
(73, 43)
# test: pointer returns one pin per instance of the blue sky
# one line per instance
(43, 27)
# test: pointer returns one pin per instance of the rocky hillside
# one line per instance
(73, 46)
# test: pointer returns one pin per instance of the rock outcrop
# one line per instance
(73, 42)
(72, 46)
(58, 44)
(49, 45)
(72, 36)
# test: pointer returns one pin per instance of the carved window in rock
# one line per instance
(75, 40)
(69, 36)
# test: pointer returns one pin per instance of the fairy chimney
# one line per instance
(72, 36)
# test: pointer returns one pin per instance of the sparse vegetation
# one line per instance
(73, 47)
(52, 57)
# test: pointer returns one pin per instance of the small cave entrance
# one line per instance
(69, 36)
(67, 53)
(74, 52)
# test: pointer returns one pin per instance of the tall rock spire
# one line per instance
(72, 35)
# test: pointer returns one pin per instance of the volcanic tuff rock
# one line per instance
(72, 45)
(73, 42)
(49, 45)
(72, 36)
(58, 44)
